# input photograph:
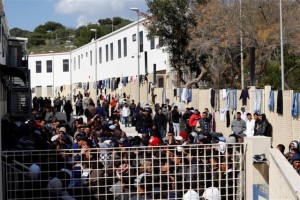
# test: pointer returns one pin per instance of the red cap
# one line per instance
(183, 135)
(154, 141)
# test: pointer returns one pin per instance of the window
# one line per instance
(161, 82)
(91, 58)
(141, 41)
(106, 51)
(111, 51)
(49, 91)
(134, 37)
(78, 62)
(38, 91)
(100, 55)
(74, 63)
(125, 46)
(38, 65)
(81, 56)
(86, 54)
(49, 66)
(119, 49)
(152, 43)
(146, 62)
(65, 65)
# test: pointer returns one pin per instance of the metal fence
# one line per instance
(212, 171)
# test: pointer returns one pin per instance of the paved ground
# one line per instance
(130, 131)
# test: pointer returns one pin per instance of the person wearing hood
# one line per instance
(263, 128)
(194, 119)
(293, 146)
(296, 162)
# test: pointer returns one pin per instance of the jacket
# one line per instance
(160, 120)
(175, 116)
(194, 119)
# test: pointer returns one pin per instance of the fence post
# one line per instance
(257, 173)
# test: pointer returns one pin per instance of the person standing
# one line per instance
(175, 117)
(194, 119)
(132, 108)
(68, 110)
(125, 114)
(186, 117)
(105, 106)
(238, 125)
(160, 121)
(250, 124)
(113, 104)
(205, 124)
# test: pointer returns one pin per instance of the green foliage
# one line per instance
(169, 20)
(271, 75)
(36, 39)
(53, 36)
(17, 32)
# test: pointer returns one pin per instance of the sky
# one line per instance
(28, 14)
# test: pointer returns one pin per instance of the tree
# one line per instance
(169, 20)
(17, 32)
(217, 36)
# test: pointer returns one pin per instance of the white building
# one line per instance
(112, 56)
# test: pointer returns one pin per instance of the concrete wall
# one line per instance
(284, 181)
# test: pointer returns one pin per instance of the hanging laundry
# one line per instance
(257, 100)
(233, 99)
(244, 96)
(190, 94)
(271, 105)
(179, 90)
(280, 102)
(227, 99)
(125, 80)
(212, 97)
(150, 86)
(214, 128)
(117, 83)
(295, 109)
(175, 92)
(227, 118)
(222, 115)
(217, 100)
(224, 94)
(164, 95)
(84, 86)
(112, 84)
(184, 95)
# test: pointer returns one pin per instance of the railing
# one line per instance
(284, 181)
(166, 172)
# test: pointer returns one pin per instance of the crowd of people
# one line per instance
(163, 161)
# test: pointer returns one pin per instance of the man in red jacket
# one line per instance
(194, 119)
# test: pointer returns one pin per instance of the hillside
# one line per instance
(53, 36)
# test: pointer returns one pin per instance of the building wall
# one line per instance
(57, 77)
(85, 61)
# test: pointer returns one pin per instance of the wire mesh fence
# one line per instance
(212, 171)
